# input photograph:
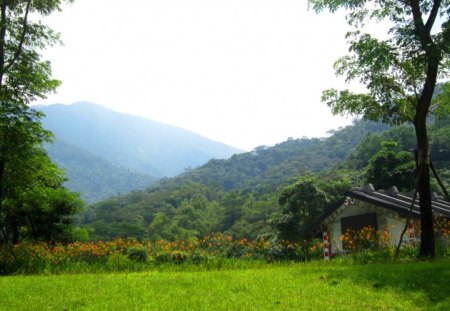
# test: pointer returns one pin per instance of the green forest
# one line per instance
(253, 194)
(239, 232)
(273, 193)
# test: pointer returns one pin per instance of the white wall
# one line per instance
(386, 220)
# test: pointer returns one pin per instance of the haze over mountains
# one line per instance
(115, 153)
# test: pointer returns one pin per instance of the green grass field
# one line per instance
(311, 286)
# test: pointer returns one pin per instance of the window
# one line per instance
(358, 222)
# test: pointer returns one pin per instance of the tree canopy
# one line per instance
(391, 167)
(24, 76)
(200, 202)
(33, 202)
(400, 74)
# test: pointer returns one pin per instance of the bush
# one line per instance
(297, 251)
(215, 250)
(139, 254)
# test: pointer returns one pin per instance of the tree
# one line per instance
(302, 202)
(38, 207)
(20, 133)
(391, 167)
(33, 202)
(366, 149)
(440, 144)
(24, 76)
(400, 74)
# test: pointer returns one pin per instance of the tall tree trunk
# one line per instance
(433, 59)
(427, 244)
(427, 239)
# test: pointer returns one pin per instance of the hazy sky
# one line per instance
(243, 72)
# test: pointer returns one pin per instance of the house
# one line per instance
(382, 210)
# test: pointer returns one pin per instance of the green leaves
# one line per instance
(33, 202)
(24, 76)
(394, 71)
(441, 103)
(334, 5)
(392, 167)
(303, 202)
(20, 130)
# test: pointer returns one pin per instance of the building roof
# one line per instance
(390, 199)
(399, 202)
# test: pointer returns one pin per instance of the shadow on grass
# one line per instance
(429, 278)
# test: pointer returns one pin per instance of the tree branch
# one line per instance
(22, 38)
(433, 15)
(418, 23)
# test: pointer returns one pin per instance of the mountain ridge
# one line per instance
(237, 196)
(135, 147)
(131, 141)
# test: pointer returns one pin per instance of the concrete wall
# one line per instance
(386, 220)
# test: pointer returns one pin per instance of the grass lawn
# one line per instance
(312, 286)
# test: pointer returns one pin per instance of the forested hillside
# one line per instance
(267, 168)
(237, 195)
(105, 153)
(241, 195)
(92, 176)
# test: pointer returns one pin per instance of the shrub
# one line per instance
(139, 254)
(215, 250)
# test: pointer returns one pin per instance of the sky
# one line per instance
(243, 72)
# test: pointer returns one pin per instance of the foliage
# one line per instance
(33, 203)
(369, 245)
(267, 168)
(442, 228)
(42, 257)
(238, 196)
(303, 202)
(196, 204)
(366, 238)
(92, 176)
(392, 167)
(440, 144)
(400, 74)
(24, 76)
(393, 70)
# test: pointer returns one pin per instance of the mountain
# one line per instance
(92, 176)
(269, 167)
(236, 195)
(121, 145)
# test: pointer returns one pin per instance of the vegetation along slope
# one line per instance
(105, 153)
(241, 196)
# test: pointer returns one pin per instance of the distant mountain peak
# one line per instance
(137, 143)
